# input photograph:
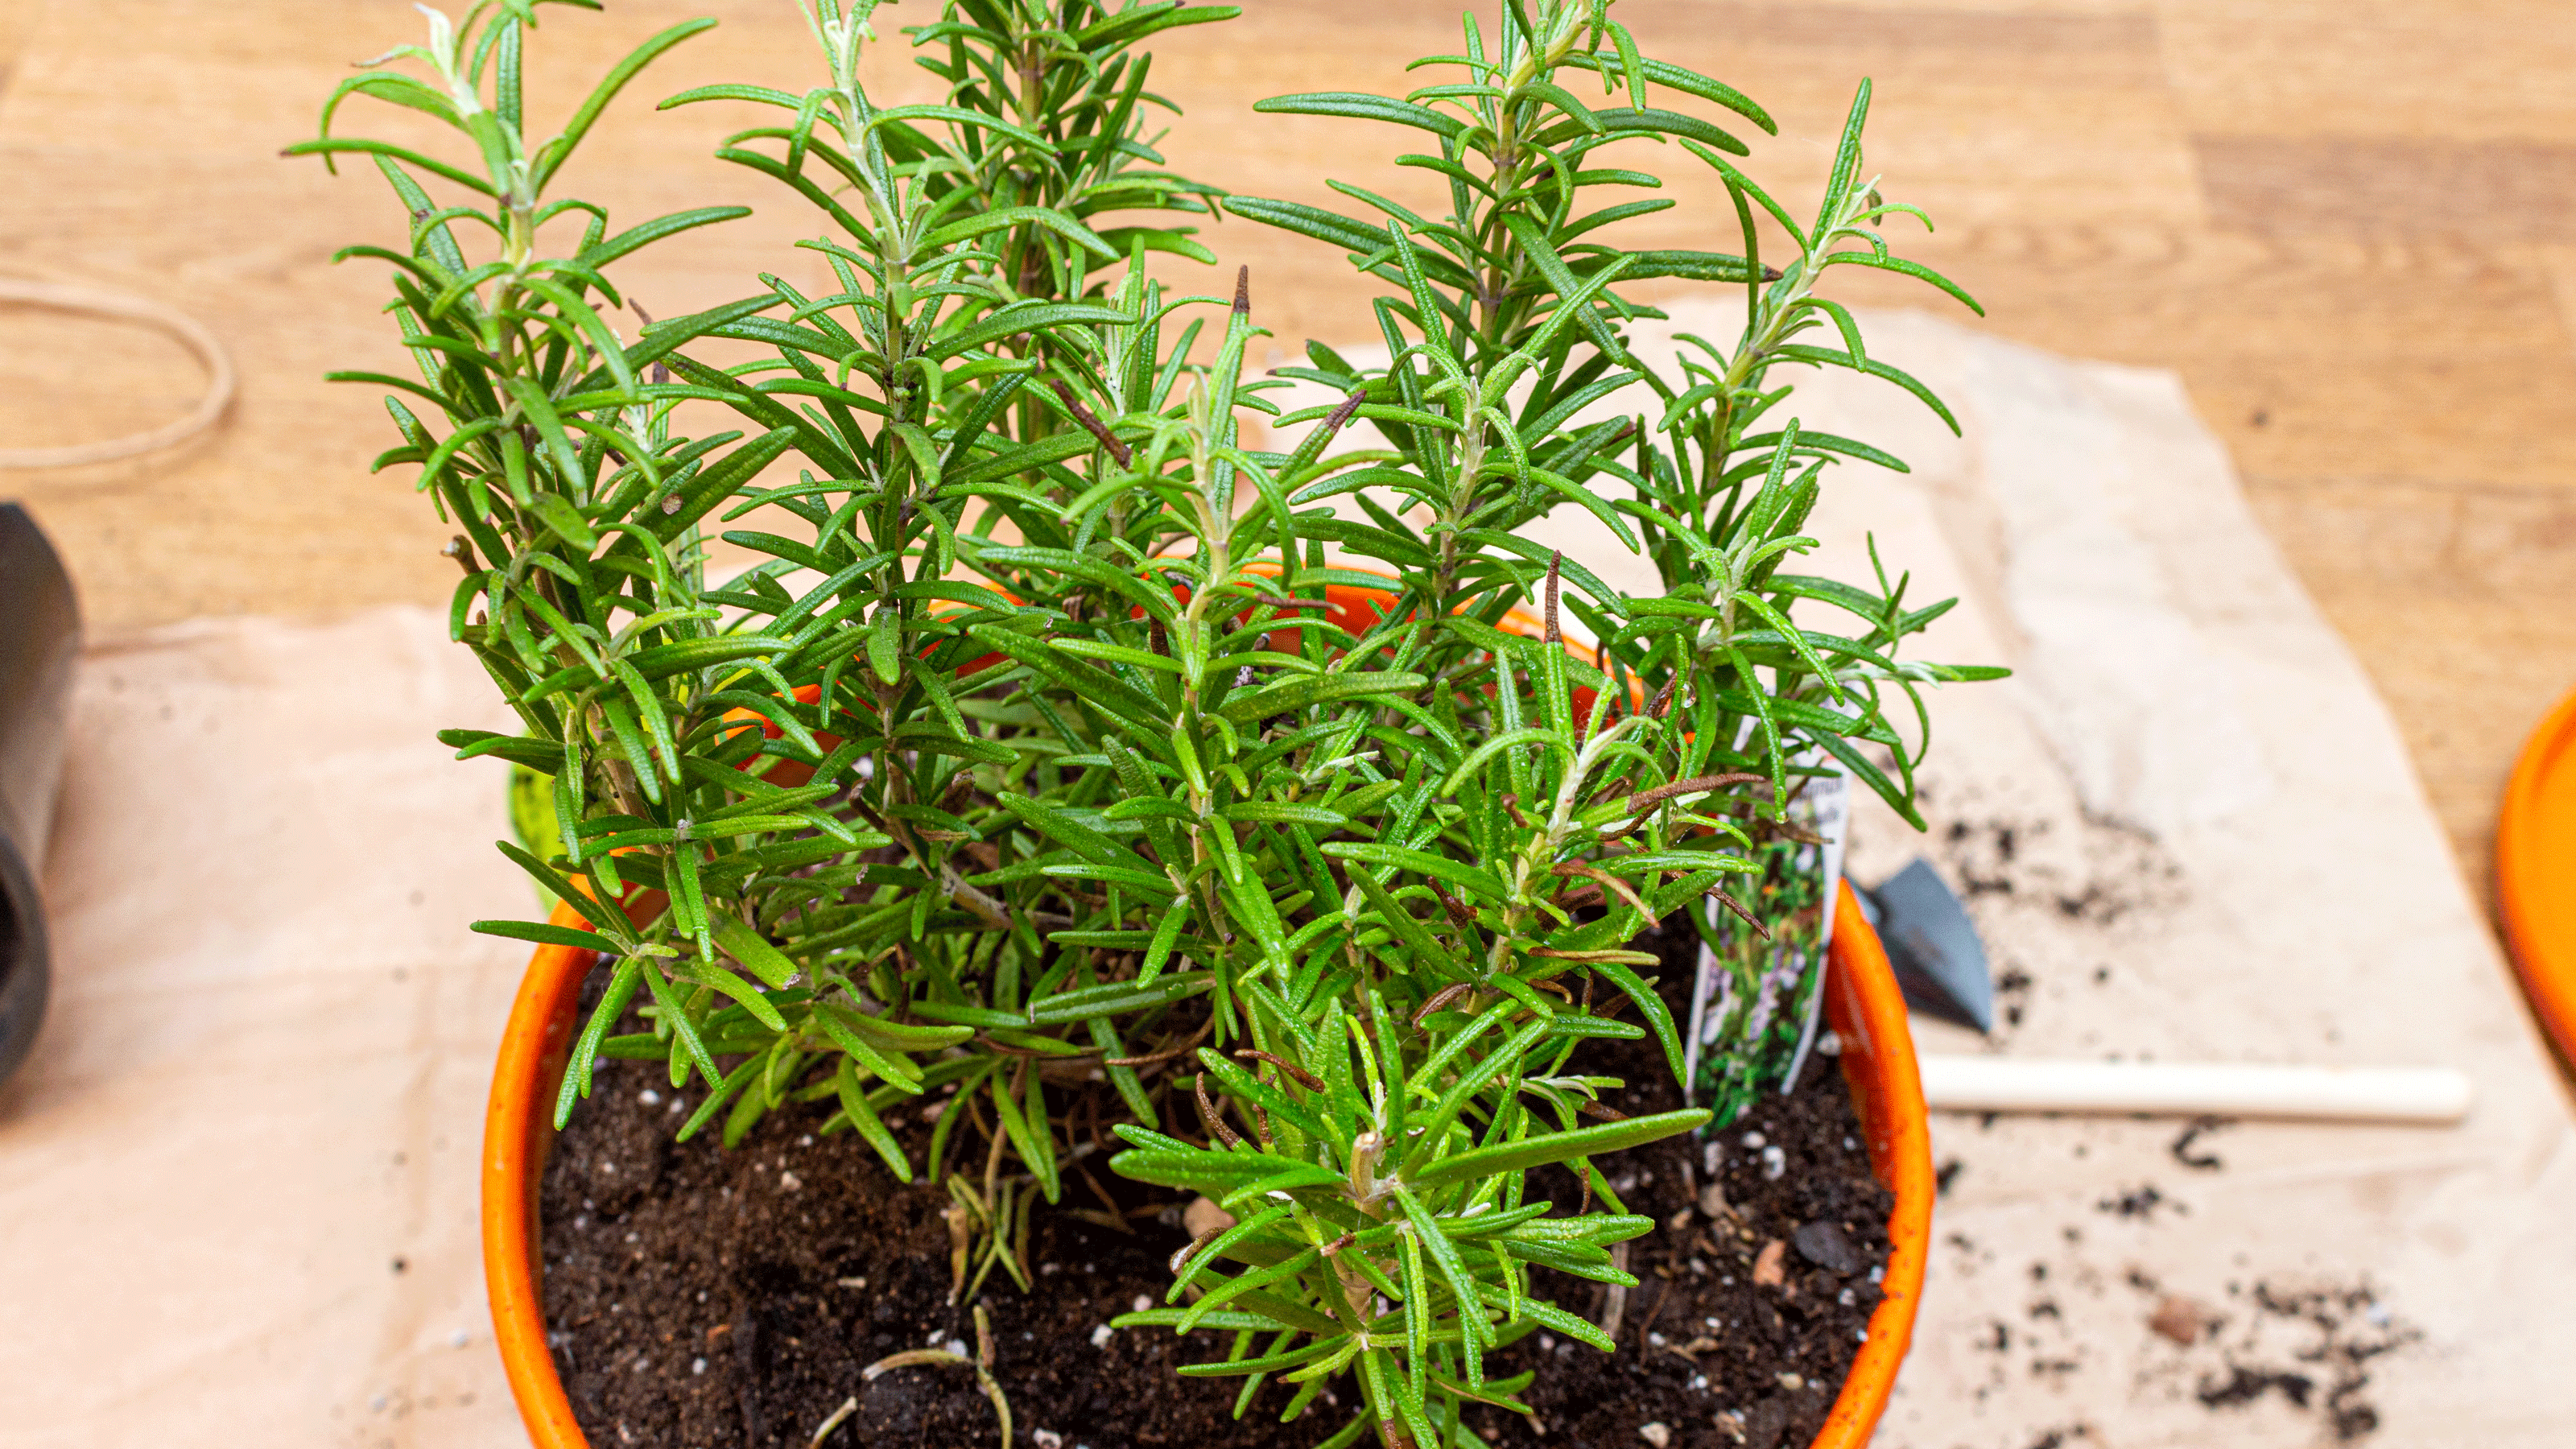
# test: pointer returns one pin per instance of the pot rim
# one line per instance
(1862, 1004)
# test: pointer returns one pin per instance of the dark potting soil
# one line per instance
(698, 1298)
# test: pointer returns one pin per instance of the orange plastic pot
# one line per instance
(1862, 1005)
(1352, 608)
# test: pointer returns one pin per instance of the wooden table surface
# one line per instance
(2345, 223)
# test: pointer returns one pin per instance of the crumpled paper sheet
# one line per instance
(238, 1173)
(2188, 831)
(263, 1080)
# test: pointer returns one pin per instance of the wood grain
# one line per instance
(2344, 222)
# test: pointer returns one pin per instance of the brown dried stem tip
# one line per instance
(1576, 870)
(1303, 1077)
(1555, 579)
(1742, 913)
(1645, 799)
(1243, 291)
(1334, 420)
(1093, 425)
(1208, 1114)
(1191, 1250)
(1459, 916)
(1662, 703)
(1441, 998)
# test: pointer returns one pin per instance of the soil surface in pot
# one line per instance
(698, 1298)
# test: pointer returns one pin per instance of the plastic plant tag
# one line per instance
(1755, 1004)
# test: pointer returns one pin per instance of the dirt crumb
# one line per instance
(2143, 1201)
(2203, 1160)
(2180, 1319)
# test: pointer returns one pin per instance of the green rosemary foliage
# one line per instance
(1071, 740)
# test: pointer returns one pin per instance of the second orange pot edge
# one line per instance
(2535, 855)
(1862, 1005)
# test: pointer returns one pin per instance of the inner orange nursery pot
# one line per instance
(1862, 1005)
(1351, 608)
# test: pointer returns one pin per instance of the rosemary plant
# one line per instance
(1072, 740)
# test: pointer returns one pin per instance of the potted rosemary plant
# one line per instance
(1293, 810)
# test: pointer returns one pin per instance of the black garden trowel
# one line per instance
(1940, 963)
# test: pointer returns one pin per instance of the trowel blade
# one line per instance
(1940, 963)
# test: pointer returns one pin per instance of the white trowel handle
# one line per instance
(2376, 1094)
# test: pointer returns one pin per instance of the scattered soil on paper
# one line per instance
(2345, 1327)
(2108, 872)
